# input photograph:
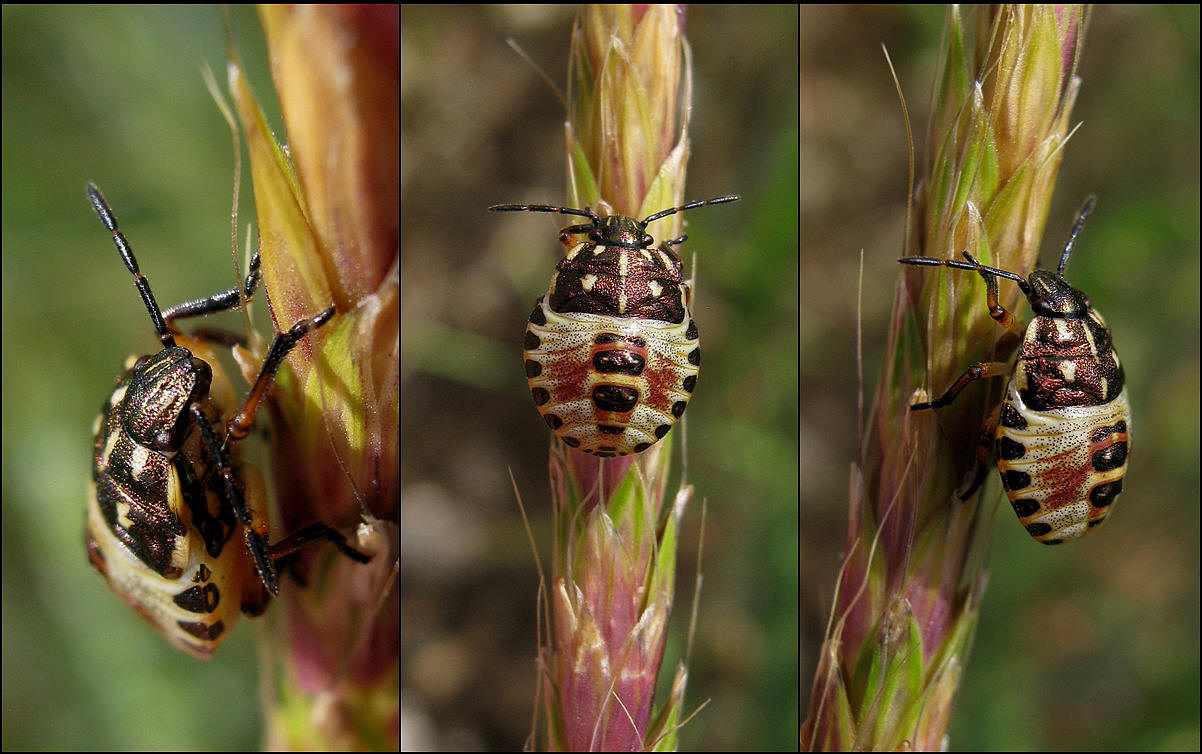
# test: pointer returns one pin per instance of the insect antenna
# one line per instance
(131, 263)
(691, 205)
(1086, 208)
(586, 212)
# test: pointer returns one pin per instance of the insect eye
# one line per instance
(647, 240)
(595, 235)
(166, 441)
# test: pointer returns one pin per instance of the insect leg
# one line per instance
(218, 302)
(976, 371)
(999, 313)
(313, 533)
(215, 529)
(975, 266)
(256, 542)
(239, 426)
(984, 443)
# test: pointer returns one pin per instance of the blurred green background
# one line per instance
(481, 127)
(1091, 646)
(113, 95)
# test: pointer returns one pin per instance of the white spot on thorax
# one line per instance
(138, 459)
(1063, 333)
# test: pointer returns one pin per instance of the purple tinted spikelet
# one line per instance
(613, 564)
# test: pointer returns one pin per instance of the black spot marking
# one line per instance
(610, 429)
(540, 396)
(616, 398)
(678, 408)
(695, 356)
(1101, 433)
(641, 447)
(531, 342)
(205, 631)
(1109, 458)
(1008, 449)
(536, 316)
(1011, 418)
(1104, 494)
(689, 383)
(619, 362)
(199, 599)
(1038, 530)
(690, 332)
(533, 368)
(662, 430)
(1025, 507)
(1016, 480)
(554, 422)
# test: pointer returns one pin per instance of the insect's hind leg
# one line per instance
(984, 443)
(313, 533)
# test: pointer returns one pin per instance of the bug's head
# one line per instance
(1052, 296)
(160, 391)
(618, 230)
(613, 230)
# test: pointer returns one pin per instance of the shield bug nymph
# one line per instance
(1061, 434)
(177, 522)
(611, 351)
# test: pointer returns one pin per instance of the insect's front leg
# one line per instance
(218, 302)
(999, 313)
(567, 236)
